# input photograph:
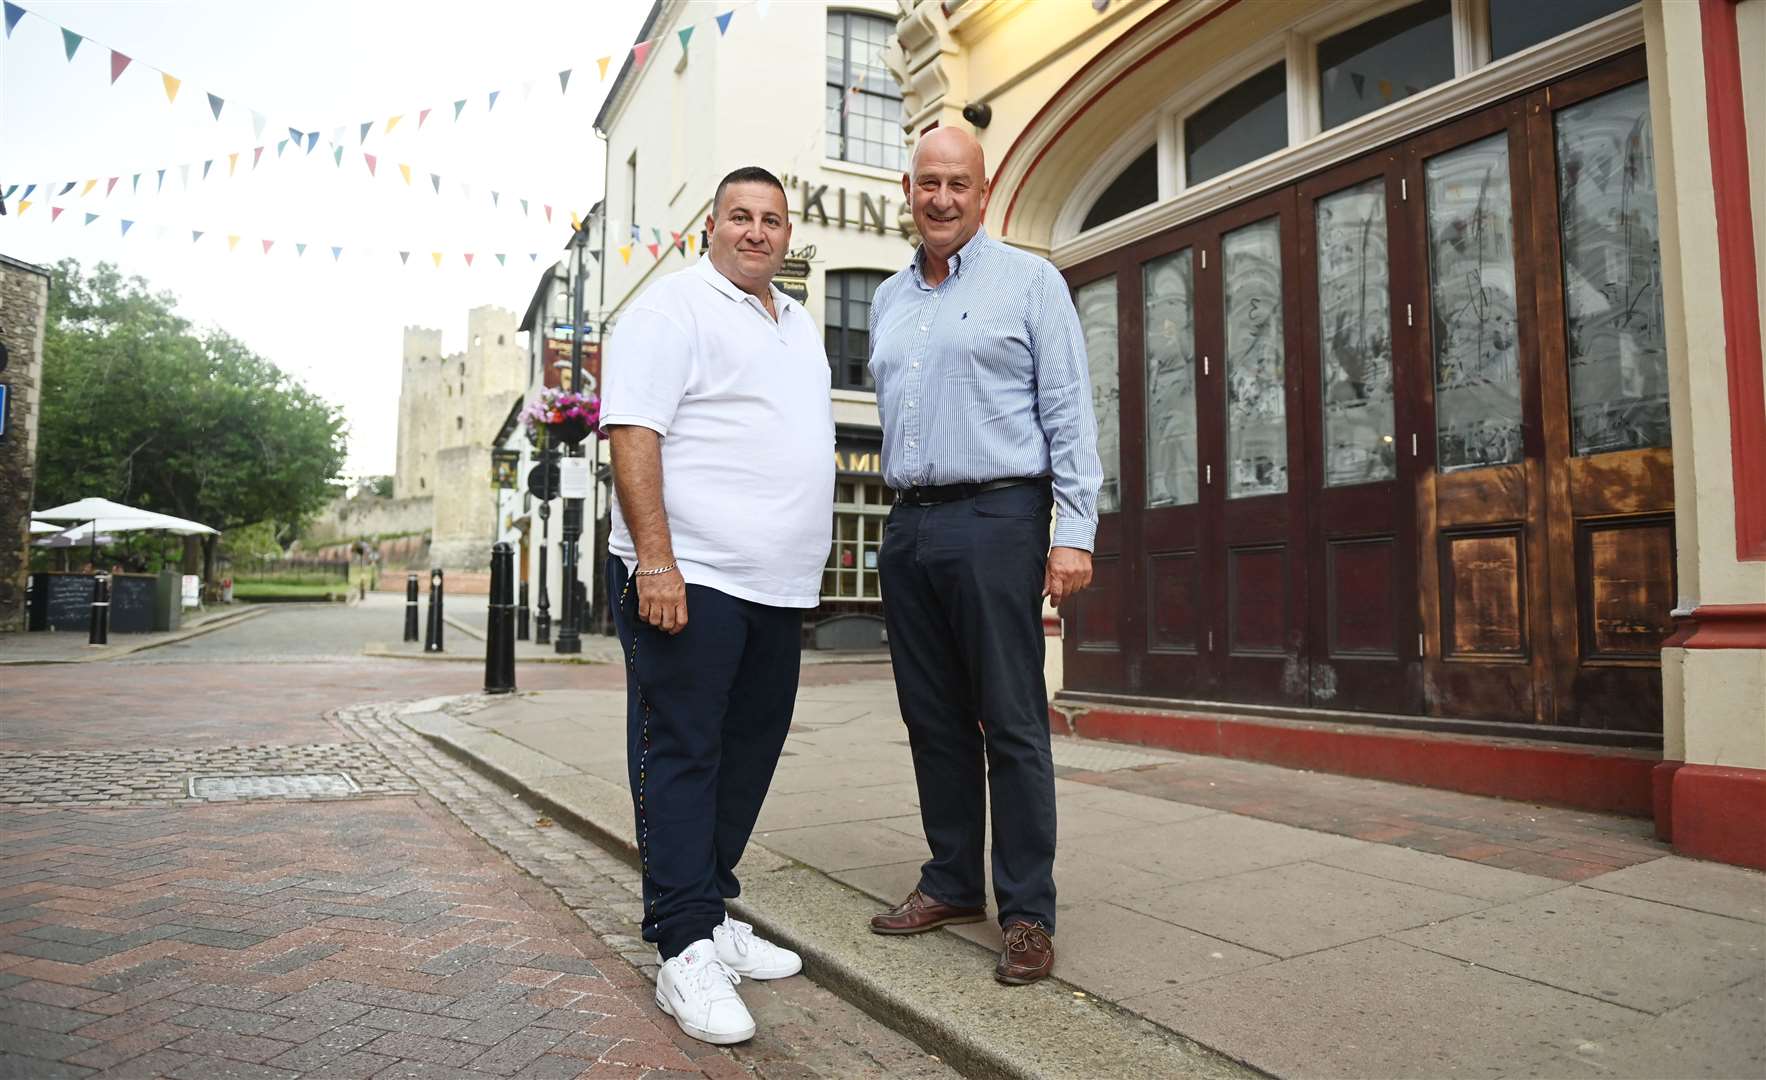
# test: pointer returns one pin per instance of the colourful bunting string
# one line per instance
(117, 63)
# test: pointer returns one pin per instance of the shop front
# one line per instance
(851, 613)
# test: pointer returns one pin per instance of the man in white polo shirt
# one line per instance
(723, 436)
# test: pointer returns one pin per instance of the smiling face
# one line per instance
(947, 186)
(750, 232)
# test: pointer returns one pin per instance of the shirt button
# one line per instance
(916, 363)
(910, 404)
(912, 443)
(922, 326)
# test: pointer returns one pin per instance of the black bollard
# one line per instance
(499, 638)
(433, 642)
(100, 631)
(521, 615)
(410, 607)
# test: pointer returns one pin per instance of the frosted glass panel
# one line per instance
(1355, 336)
(1472, 293)
(1170, 321)
(1256, 409)
(1097, 317)
(1612, 274)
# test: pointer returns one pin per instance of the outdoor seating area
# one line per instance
(113, 582)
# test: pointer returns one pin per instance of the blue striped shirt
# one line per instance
(984, 377)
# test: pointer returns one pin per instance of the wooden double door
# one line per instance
(1395, 438)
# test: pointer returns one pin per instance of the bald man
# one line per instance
(981, 378)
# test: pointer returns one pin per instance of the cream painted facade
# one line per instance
(753, 96)
(1076, 94)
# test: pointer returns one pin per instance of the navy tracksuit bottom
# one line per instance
(707, 711)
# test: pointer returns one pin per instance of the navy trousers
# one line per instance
(706, 715)
(962, 597)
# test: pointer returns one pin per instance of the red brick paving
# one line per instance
(1569, 845)
(374, 937)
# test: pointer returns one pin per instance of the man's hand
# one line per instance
(1069, 571)
(662, 601)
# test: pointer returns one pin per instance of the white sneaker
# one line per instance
(749, 955)
(699, 991)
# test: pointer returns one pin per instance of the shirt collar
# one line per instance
(964, 256)
(712, 274)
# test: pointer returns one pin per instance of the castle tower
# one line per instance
(420, 388)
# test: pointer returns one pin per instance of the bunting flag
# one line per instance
(312, 140)
(70, 41)
(13, 14)
(87, 190)
(267, 244)
(655, 250)
(299, 250)
(405, 171)
(257, 153)
(127, 224)
(469, 260)
(458, 105)
(679, 244)
(367, 126)
(232, 163)
(258, 120)
(205, 167)
(723, 23)
(500, 261)
(422, 116)
(435, 182)
(533, 256)
(493, 103)
(436, 255)
(524, 208)
(296, 135)
(172, 85)
(117, 63)
(281, 145)
(232, 241)
(195, 235)
(371, 162)
(564, 81)
(526, 90)
(215, 103)
(54, 211)
(602, 64)
(639, 52)
(625, 254)
(686, 35)
(162, 182)
(90, 218)
(656, 234)
(495, 200)
(184, 171)
(548, 213)
(135, 184)
(393, 123)
(337, 155)
(336, 253)
(69, 186)
(25, 204)
(110, 186)
(404, 257)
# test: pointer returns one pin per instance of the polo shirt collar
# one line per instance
(958, 262)
(712, 274)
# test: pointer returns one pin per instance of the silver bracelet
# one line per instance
(653, 572)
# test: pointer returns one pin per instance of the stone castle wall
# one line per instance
(24, 302)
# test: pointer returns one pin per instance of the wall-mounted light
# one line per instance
(978, 113)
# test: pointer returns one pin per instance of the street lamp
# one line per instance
(569, 629)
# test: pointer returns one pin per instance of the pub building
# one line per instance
(1424, 341)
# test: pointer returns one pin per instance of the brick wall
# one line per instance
(24, 298)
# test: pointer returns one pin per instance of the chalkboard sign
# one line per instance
(64, 602)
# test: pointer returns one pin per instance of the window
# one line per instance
(459, 423)
(499, 339)
(631, 182)
(1241, 125)
(1096, 303)
(848, 311)
(1371, 65)
(1135, 187)
(860, 507)
(1521, 24)
(863, 119)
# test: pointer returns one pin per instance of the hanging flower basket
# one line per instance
(562, 417)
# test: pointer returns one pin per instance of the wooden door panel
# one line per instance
(1628, 567)
(1099, 608)
(1175, 603)
(1362, 610)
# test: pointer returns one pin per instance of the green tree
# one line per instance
(140, 407)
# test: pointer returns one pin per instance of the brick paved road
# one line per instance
(385, 933)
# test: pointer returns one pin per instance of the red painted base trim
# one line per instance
(1586, 778)
(1662, 797)
(1718, 813)
(1721, 626)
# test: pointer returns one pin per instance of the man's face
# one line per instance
(948, 193)
(750, 233)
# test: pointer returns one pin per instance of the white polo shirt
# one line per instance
(747, 427)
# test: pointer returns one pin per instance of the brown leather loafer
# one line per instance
(919, 913)
(1028, 956)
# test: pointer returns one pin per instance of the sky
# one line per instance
(336, 323)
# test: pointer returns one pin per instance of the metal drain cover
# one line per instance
(250, 787)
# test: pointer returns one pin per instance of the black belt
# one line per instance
(943, 493)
